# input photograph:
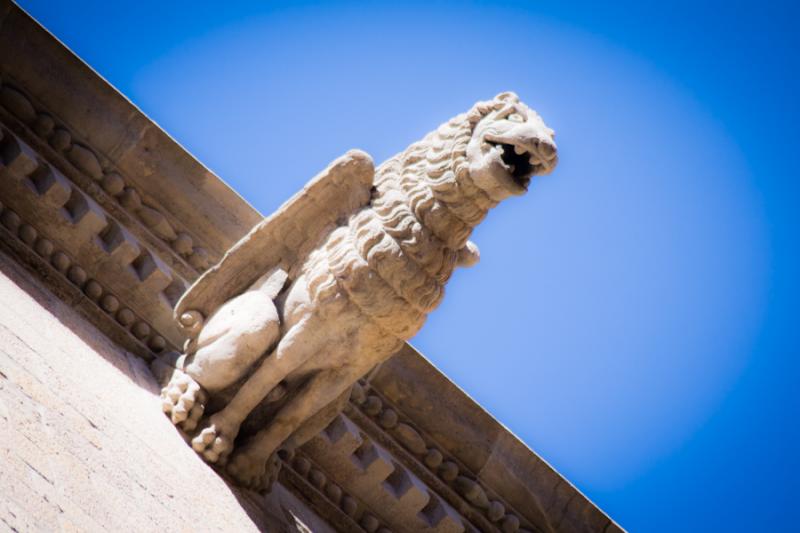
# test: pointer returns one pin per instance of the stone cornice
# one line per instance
(441, 471)
(108, 188)
(101, 181)
(95, 252)
(119, 138)
(70, 282)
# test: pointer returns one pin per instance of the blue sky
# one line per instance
(633, 318)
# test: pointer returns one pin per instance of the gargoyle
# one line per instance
(335, 281)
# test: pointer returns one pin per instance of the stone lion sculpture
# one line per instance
(335, 281)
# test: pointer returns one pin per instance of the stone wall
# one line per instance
(84, 445)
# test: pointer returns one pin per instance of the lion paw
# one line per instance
(184, 401)
(215, 442)
(253, 472)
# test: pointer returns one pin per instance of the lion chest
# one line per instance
(363, 263)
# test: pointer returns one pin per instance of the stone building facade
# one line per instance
(104, 222)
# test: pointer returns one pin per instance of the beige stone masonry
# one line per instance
(83, 445)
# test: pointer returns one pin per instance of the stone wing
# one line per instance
(285, 236)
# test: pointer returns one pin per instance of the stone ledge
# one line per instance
(487, 458)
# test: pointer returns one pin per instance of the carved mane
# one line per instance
(422, 212)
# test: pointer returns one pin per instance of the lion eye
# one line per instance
(515, 117)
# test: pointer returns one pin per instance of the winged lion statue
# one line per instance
(334, 283)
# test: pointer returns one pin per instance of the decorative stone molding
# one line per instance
(60, 215)
(189, 258)
(381, 480)
(340, 507)
(141, 337)
(387, 424)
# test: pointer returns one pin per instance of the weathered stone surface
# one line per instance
(409, 437)
(199, 258)
(433, 458)
(394, 494)
(388, 419)
(182, 243)
(61, 139)
(129, 198)
(413, 384)
(17, 103)
(27, 233)
(16, 157)
(498, 458)
(52, 186)
(472, 491)
(157, 222)
(44, 125)
(85, 160)
(372, 405)
(113, 183)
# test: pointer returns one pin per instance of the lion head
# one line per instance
(453, 176)
(510, 143)
(425, 202)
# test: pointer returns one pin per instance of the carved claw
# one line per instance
(215, 442)
(184, 401)
(253, 472)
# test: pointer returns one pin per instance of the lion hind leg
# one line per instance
(233, 339)
(215, 440)
(251, 464)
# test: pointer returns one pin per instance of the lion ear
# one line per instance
(478, 111)
(507, 96)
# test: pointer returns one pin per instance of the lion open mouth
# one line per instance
(522, 161)
(519, 163)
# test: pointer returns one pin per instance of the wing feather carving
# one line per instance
(285, 236)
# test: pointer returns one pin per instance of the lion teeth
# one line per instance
(511, 168)
(533, 160)
(519, 150)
